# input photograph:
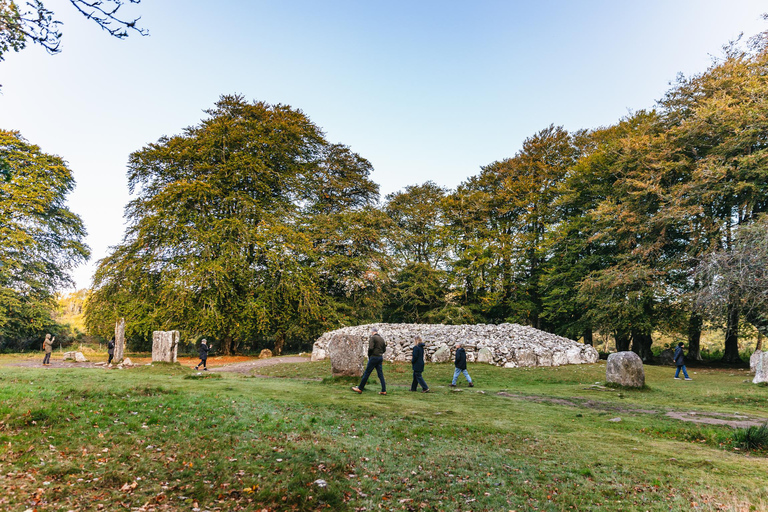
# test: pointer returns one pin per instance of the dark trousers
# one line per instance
(418, 380)
(47, 358)
(110, 358)
(373, 362)
(203, 361)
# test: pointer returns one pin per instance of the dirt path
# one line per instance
(707, 418)
(249, 366)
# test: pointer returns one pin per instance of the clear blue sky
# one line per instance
(425, 90)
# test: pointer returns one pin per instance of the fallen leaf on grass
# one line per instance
(129, 487)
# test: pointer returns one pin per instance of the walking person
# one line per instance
(417, 363)
(48, 347)
(111, 350)
(203, 355)
(376, 348)
(461, 366)
(680, 362)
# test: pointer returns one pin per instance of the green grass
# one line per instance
(75, 438)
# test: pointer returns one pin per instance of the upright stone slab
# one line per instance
(485, 355)
(165, 345)
(442, 354)
(625, 369)
(761, 367)
(347, 355)
(119, 340)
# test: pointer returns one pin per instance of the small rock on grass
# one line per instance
(615, 420)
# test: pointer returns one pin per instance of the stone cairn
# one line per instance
(507, 345)
(165, 345)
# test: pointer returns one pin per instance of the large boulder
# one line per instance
(753, 359)
(347, 355)
(761, 367)
(625, 369)
(442, 354)
(74, 356)
(165, 346)
(265, 354)
(484, 355)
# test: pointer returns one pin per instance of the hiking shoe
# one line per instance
(427, 390)
(677, 378)
(356, 389)
(382, 392)
(688, 378)
(453, 385)
(471, 384)
(205, 369)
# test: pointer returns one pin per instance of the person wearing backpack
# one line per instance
(417, 364)
(461, 366)
(680, 362)
(111, 350)
(376, 348)
(48, 347)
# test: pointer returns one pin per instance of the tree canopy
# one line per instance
(41, 240)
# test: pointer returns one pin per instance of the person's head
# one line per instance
(375, 330)
(681, 345)
(48, 336)
(459, 345)
(204, 342)
(417, 340)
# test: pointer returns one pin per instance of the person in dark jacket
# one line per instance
(461, 366)
(680, 362)
(111, 350)
(417, 363)
(203, 355)
(376, 348)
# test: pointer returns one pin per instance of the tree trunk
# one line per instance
(588, 340)
(622, 341)
(226, 346)
(759, 345)
(695, 324)
(641, 345)
(279, 342)
(731, 354)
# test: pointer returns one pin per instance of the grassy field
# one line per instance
(165, 438)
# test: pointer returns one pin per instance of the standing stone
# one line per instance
(119, 340)
(347, 355)
(625, 369)
(265, 354)
(442, 354)
(165, 345)
(753, 359)
(484, 355)
(761, 367)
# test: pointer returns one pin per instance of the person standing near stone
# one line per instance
(461, 366)
(203, 355)
(111, 350)
(417, 363)
(48, 348)
(680, 362)
(376, 348)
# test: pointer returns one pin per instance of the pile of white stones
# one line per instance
(507, 345)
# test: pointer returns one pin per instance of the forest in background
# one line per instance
(252, 229)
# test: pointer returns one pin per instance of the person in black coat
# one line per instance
(376, 348)
(417, 363)
(461, 366)
(203, 355)
(680, 362)
(111, 350)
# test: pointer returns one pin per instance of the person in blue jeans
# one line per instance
(376, 348)
(417, 364)
(680, 362)
(461, 366)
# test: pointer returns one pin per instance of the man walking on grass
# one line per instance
(461, 366)
(417, 364)
(376, 348)
(680, 362)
